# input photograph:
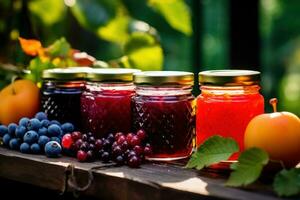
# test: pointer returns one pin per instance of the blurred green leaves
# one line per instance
(49, 12)
(60, 48)
(176, 12)
(91, 14)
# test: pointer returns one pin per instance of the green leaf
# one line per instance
(176, 12)
(213, 150)
(49, 12)
(60, 48)
(248, 168)
(117, 29)
(36, 66)
(287, 182)
(92, 14)
(143, 52)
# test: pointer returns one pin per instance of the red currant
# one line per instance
(81, 156)
(67, 141)
(134, 141)
(76, 135)
(141, 134)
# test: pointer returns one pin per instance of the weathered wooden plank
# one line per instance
(151, 181)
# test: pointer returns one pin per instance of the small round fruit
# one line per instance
(67, 141)
(129, 137)
(54, 122)
(105, 157)
(31, 137)
(12, 129)
(98, 144)
(3, 130)
(135, 141)
(6, 138)
(111, 137)
(54, 130)
(278, 134)
(25, 147)
(20, 131)
(90, 156)
(52, 149)
(141, 134)
(134, 162)
(147, 150)
(84, 137)
(119, 160)
(34, 124)
(76, 135)
(117, 135)
(42, 131)
(15, 143)
(57, 139)
(67, 127)
(40, 116)
(35, 148)
(24, 121)
(91, 139)
(81, 156)
(138, 150)
(43, 140)
(45, 123)
(121, 139)
(117, 151)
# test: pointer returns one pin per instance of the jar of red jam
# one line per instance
(61, 91)
(106, 102)
(229, 99)
(163, 107)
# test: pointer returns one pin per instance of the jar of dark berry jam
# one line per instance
(229, 99)
(61, 91)
(163, 107)
(106, 102)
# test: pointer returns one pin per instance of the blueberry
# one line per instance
(43, 131)
(43, 140)
(57, 139)
(52, 149)
(45, 123)
(25, 148)
(31, 137)
(3, 130)
(24, 121)
(34, 124)
(14, 143)
(67, 127)
(54, 130)
(6, 138)
(40, 116)
(35, 148)
(20, 131)
(12, 129)
(54, 122)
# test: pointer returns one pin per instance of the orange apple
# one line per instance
(19, 99)
(278, 133)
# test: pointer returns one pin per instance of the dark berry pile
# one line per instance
(37, 135)
(129, 149)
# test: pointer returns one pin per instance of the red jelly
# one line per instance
(106, 103)
(229, 99)
(163, 107)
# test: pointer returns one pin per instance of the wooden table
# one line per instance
(151, 181)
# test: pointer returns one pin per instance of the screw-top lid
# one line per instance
(164, 78)
(111, 75)
(229, 77)
(72, 73)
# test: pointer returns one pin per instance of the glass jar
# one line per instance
(229, 99)
(106, 102)
(61, 91)
(163, 107)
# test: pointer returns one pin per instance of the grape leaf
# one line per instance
(176, 12)
(143, 52)
(287, 182)
(213, 150)
(60, 48)
(248, 168)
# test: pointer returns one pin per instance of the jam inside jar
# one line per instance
(166, 112)
(229, 99)
(60, 94)
(106, 102)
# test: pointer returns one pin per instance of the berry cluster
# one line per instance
(123, 149)
(36, 135)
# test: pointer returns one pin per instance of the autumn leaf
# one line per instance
(31, 47)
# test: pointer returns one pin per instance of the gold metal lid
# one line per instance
(229, 77)
(76, 73)
(111, 75)
(164, 78)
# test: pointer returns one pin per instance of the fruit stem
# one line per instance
(13, 79)
(273, 103)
